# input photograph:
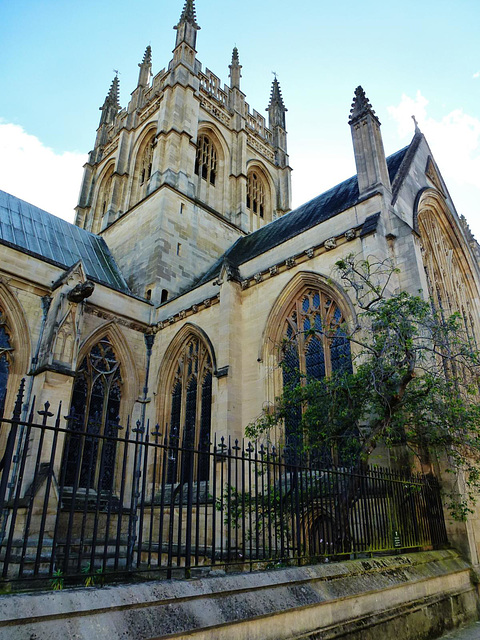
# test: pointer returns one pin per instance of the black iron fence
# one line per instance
(88, 507)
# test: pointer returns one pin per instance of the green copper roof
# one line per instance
(42, 234)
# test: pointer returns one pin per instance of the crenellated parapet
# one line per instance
(185, 131)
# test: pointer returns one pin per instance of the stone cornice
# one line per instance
(188, 311)
(299, 258)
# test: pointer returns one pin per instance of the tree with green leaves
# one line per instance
(414, 385)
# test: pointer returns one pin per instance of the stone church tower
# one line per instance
(186, 169)
(166, 310)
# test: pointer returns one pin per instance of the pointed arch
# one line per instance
(450, 268)
(212, 157)
(15, 345)
(63, 346)
(260, 200)
(104, 194)
(130, 382)
(91, 448)
(142, 164)
(185, 394)
(273, 330)
(304, 338)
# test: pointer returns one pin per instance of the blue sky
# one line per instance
(417, 58)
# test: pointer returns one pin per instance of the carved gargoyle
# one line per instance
(81, 291)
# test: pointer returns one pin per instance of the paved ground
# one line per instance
(471, 632)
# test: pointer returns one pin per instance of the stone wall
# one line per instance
(409, 597)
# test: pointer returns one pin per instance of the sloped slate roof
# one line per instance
(321, 208)
(42, 234)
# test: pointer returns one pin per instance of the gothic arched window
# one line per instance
(5, 358)
(146, 162)
(314, 346)
(447, 277)
(255, 194)
(94, 413)
(258, 199)
(190, 411)
(104, 199)
(206, 160)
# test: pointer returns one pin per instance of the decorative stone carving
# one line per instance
(309, 252)
(194, 308)
(182, 314)
(207, 302)
(273, 270)
(350, 234)
(329, 244)
(258, 277)
(81, 291)
(244, 284)
(65, 340)
(261, 148)
(290, 262)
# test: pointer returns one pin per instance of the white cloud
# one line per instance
(455, 144)
(35, 173)
(476, 75)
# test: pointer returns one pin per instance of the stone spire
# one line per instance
(187, 26)
(372, 171)
(145, 68)
(235, 70)
(188, 14)
(276, 109)
(361, 107)
(112, 102)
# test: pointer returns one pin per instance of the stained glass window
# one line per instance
(315, 345)
(206, 160)
(190, 413)
(5, 355)
(90, 451)
(448, 277)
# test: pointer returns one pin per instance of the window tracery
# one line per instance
(206, 160)
(104, 198)
(255, 194)
(146, 163)
(314, 347)
(6, 351)
(258, 199)
(190, 411)
(94, 411)
(446, 278)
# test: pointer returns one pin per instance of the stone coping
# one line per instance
(172, 608)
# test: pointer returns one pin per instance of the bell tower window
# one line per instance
(206, 160)
(258, 199)
(146, 166)
(255, 195)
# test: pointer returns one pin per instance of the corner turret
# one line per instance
(372, 172)
(276, 122)
(145, 68)
(276, 109)
(109, 110)
(235, 70)
(111, 105)
(187, 26)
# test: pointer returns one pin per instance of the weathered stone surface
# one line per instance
(408, 596)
